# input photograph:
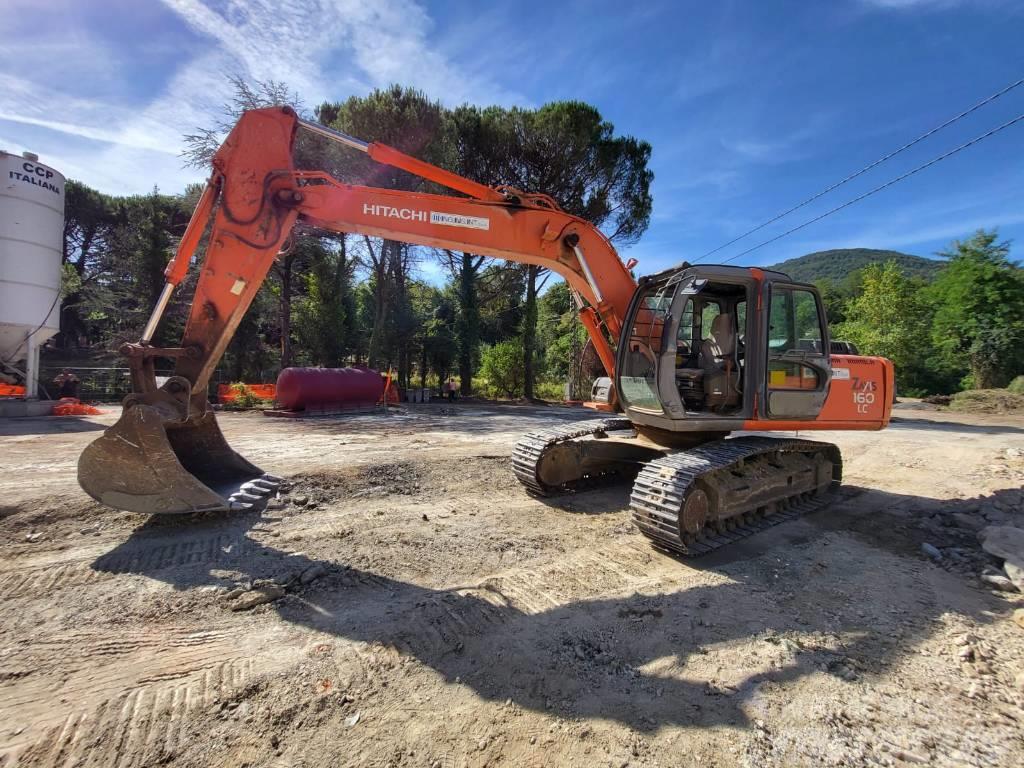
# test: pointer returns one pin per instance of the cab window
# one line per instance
(643, 351)
(794, 332)
(711, 310)
(793, 323)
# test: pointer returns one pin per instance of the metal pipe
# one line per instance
(333, 135)
(158, 312)
(588, 274)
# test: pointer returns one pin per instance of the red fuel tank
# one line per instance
(325, 389)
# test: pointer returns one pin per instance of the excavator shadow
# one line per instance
(604, 500)
(900, 422)
(48, 425)
(843, 593)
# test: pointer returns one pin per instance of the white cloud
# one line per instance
(327, 49)
(796, 144)
(22, 101)
(300, 43)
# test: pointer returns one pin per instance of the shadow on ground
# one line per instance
(588, 658)
(47, 425)
(954, 427)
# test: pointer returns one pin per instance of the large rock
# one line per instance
(1004, 541)
(258, 596)
(971, 522)
(1015, 572)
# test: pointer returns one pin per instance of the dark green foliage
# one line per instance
(561, 337)
(890, 318)
(834, 298)
(565, 150)
(325, 312)
(965, 329)
(502, 366)
(502, 290)
(437, 336)
(467, 322)
(251, 355)
(839, 264)
(115, 252)
(979, 310)
(406, 119)
(403, 118)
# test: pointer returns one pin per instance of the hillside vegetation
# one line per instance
(839, 263)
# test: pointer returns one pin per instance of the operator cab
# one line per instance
(696, 356)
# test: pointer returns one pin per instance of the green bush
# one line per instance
(245, 398)
(912, 392)
(550, 390)
(1017, 386)
(502, 366)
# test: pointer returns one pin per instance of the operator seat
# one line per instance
(718, 359)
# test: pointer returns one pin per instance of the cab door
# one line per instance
(797, 363)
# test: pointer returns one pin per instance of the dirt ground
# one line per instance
(435, 615)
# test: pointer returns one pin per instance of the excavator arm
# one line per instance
(166, 453)
(255, 198)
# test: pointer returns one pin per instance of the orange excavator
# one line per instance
(692, 353)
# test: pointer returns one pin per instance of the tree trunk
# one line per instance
(403, 331)
(375, 352)
(286, 310)
(530, 331)
(467, 326)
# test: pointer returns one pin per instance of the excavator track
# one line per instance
(532, 449)
(693, 502)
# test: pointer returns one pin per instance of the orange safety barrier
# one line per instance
(226, 393)
(71, 406)
(11, 390)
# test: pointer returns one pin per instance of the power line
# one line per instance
(889, 183)
(866, 168)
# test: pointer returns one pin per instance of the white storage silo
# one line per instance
(31, 235)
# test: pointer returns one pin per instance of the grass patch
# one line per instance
(987, 401)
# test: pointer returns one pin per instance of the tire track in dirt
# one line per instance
(440, 625)
(145, 558)
(139, 689)
(161, 552)
(140, 726)
(136, 691)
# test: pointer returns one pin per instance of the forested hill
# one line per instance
(837, 264)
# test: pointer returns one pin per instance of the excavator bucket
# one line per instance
(144, 464)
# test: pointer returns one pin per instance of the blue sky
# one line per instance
(750, 106)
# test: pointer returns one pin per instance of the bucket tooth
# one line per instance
(145, 464)
(243, 496)
(255, 488)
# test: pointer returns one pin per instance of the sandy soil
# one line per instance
(435, 615)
